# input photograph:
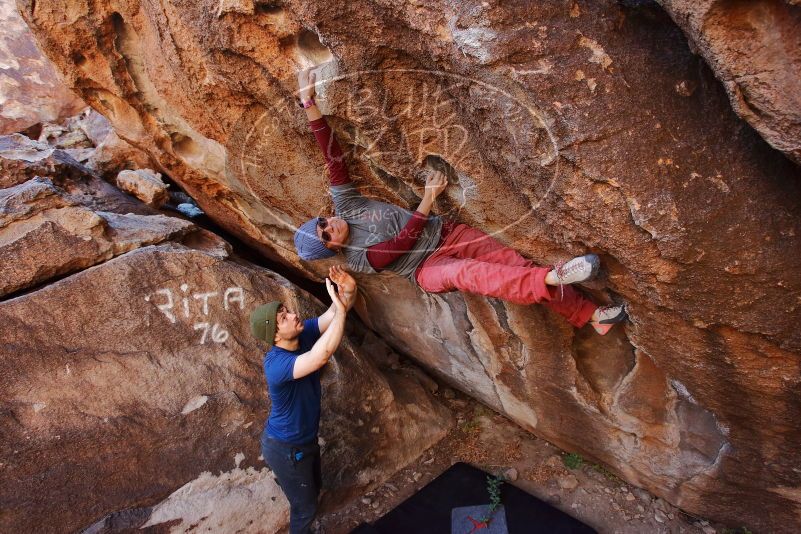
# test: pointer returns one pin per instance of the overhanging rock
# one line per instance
(571, 127)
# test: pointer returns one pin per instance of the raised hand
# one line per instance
(306, 79)
(334, 297)
(436, 184)
(343, 279)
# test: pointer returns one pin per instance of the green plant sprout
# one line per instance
(572, 460)
(494, 490)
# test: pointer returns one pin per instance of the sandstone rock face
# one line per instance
(46, 232)
(755, 50)
(140, 395)
(571, 127)
(85, 142)
(132, 393)
(30, 88)
(89, 138)
(145, 185)
(47, 237)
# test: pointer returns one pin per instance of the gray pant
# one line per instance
(297, 469)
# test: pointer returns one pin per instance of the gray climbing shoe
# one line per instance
(608, 316)
(578, 269)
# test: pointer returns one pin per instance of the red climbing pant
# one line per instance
(470, 260)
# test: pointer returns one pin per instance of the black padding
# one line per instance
(429, 510)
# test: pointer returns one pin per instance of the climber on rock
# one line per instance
(438, 254)
(292, 365)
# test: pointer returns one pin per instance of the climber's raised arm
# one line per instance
(381, 255)
(306, 92)
(334, 160)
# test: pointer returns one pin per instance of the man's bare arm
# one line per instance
(324, 348)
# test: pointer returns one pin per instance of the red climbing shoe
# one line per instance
(606, 317)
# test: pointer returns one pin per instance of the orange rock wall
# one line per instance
(573, 127)
(31, 90)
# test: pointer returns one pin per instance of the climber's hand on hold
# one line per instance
(306, 80)
(436, 184)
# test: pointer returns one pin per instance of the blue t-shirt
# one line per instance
(295, 412)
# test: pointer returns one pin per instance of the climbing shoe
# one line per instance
(606, 317)
(577, 270)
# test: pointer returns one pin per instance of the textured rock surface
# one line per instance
(30, 88)
(145, 185)
(158, 381)
(82, 144)
(47, 237)
(46, 231)
(754, 47)
(573, 126)
(89, 138)
(136, 380)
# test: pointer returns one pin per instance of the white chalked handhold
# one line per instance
(194, 403)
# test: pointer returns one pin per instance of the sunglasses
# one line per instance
(322, 223)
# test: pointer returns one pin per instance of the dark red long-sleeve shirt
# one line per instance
(334, 160)
(380, 255)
